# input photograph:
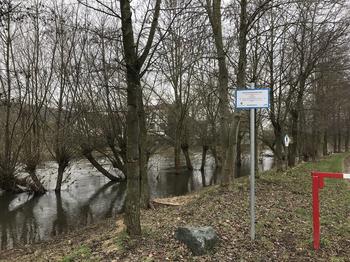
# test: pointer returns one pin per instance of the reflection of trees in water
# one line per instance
(214, 178)
(118, 195)
(21, 224)
(60, 224)
(174, 182)
(30, 232)
(7, 226)
(170, 183)
(11, 233)
(202, 178)
(85, 213)
(101, 196)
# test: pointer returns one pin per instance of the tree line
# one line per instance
(121, 79)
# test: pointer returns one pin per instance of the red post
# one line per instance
(317, 183)
(316, 209)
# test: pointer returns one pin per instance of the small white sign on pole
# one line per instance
(286, 140)
(252, 98)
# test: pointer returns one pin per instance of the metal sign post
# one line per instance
(252, 99)
(286, 141)
(252, 172)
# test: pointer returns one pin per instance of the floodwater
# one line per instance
(88, 197)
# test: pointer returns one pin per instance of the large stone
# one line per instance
(198, 239)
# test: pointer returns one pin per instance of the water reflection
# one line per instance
(52, 214)
(89, 197)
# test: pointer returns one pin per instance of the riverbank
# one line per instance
(284, 226)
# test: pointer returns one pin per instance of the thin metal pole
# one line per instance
(252, 171)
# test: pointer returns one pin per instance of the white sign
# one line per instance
(252, 98)
(286, 140)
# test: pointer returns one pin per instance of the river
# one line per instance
(88, 197)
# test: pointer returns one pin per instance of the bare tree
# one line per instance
(135, 118)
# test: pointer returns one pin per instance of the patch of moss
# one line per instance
(121, 240)
(82, 253)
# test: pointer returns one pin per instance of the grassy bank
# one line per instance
(284, 226)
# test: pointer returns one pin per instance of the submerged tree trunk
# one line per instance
(184, 147)
(8, 182)
(61, 167)
(215, 155)
(39, 187)
(177, 152)
(204, 156)
(60, 225)
(100, 168)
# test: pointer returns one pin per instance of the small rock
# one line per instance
(198, 239)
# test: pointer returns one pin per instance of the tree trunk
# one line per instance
(228, 165)
(132, 201)
(325, 143)
(335, 140)
(239, 150)
(133, 78)
(177, 151)
(7, 178)
(184, 147)
(39, 187)
(293, 147)
(278, 152)
(230, 158)
(61, 167)
(203, 178)
(8, 183)
(339, 141)
(204, 156)
(145, 192)
(100, 168)
(347, 136)
(215, 155)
